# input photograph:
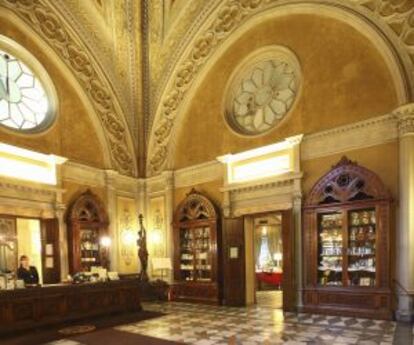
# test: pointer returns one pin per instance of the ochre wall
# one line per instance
(74, 190)
(209, 189)
(345, 79)
(382, 159)
(72, 135)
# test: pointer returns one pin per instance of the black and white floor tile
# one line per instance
(216, 325)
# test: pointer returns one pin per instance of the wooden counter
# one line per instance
(35, 307)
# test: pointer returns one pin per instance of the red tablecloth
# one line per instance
(274, 278)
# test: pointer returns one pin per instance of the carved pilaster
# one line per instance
(226, 204)
(169, 211)
(60, 209)
(405, 119)
(297, 218)
(405, 234)
(110, 177)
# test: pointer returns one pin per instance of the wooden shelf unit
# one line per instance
(196, 248)
(347, 244)
(87, 223)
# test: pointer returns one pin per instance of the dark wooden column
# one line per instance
(234, 266)
(50, 238)
(288, 240)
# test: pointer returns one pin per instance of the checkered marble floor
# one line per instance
(208, 325)
(217, 325)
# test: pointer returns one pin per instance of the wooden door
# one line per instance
(288, 240)
(234, 262)
(50, 251)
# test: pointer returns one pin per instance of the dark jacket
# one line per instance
(29, 276)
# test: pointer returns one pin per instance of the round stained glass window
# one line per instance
(26, 103)
(262, 90)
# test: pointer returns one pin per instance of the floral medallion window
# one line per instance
(27, 97)
(262, 90)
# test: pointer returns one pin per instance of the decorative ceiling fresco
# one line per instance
(394, 19)
(138, 84)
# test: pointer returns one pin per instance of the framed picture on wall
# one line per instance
(234, 252)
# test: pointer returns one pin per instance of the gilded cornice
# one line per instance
(206, 37)
(42, 17)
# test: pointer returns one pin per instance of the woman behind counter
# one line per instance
(26, 272)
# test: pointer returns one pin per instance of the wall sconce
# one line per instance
(105, 242)
(129, 238)
(155, 237)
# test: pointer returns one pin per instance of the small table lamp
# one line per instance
(162, 264)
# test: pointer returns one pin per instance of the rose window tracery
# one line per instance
(262, 93)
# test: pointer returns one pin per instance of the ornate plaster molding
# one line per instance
(404, 116)
(263, 195)
(375, 131)
(94, 177)
(197, 174)
(29, 199)
(229, 16)
(371, 132)
(42, 17)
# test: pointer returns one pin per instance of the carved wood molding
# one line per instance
(347, 182)
(87, 208)
(229, 16)
(195, 207)
(42, 17)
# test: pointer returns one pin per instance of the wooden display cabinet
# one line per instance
(347, 244)
(196, 242)
(87, 224)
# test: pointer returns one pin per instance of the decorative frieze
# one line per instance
(371, 132)
(375, 131)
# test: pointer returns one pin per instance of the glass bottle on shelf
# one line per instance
(362, 248)
(330, 249)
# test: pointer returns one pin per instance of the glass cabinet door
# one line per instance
(330, 247)
(202, 250)
(89, 246)
(186, 254)
(361, 247)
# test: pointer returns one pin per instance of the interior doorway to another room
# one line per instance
(264, 260)
(20, 236)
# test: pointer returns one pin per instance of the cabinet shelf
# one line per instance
(334, 269)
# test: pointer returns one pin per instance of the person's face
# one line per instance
(25, 263)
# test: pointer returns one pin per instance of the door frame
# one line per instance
(288, 250)
(50, 275)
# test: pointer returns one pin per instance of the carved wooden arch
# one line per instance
(88, 208)
(347, 182)
(195, 207)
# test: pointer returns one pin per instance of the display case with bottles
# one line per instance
(87, 223)
(196, 245)
(347, 244)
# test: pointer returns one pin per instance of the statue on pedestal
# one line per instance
(142, 250)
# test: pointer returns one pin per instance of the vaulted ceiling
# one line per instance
(135, 49)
